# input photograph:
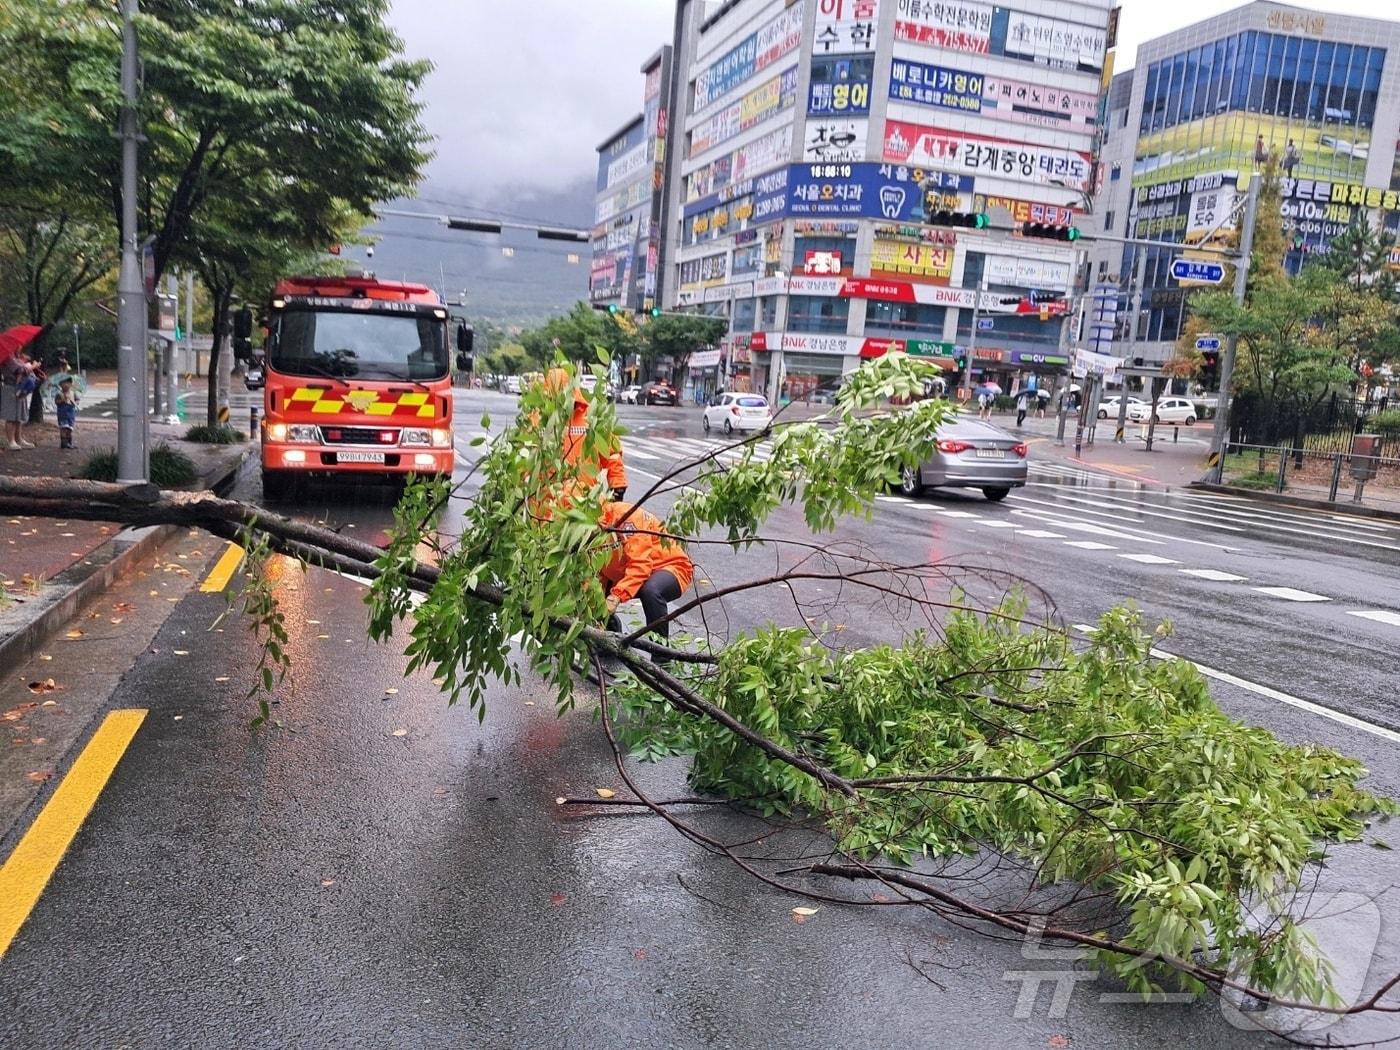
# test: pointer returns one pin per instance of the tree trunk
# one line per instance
(222, 297)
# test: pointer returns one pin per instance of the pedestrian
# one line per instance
(66, 407)
(1291, 156)
(1023, 404)
(1042, 402)
(18, 381)
(984, 404)
(643, 563)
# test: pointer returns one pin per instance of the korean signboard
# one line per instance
(751, 56)
(755, 107)
(938, 86)
(1026, 211)
(870, 190)
(1210, 213)
(840, 85)
(759, 155)
(1028, 273)
(912, 260)
(1055, 43)
(845, 26)
(707, 270)
(822, 262)
(953, 89)
(627, 165)
(835, 139)
(916, 145)
(957, 25)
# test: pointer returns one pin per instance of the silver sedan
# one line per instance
(971, 455)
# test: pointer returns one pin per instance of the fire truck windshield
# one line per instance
(363, 344)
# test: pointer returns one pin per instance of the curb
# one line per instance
(1357, 509)
(114, 560)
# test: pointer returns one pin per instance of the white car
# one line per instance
(733, 411)
(630, 394)
(1109, 405)
(587, 382)
(1169, 410)
(512, 385)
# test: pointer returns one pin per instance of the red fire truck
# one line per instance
(358, 381)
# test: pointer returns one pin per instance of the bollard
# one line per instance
(1280, 481)
(252, 421)
(1336, 476)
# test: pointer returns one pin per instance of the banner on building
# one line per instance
(835, 140)
(956, 25)
(845, 26)
(1054, 42)
(873, 190)
(769, 98)
(920, 146)
(1028, 273)
(750, 56)
(840, 86)
(934, 262)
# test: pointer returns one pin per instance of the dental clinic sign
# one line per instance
(894, 192)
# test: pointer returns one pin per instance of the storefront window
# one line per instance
(743, 316)
(812, 378)
(768, 312)
(812, 313)
(904, 319)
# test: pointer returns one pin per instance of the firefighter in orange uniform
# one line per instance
(610, 463)
(643, 564)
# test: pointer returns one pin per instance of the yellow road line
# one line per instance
(223, 570)
(29, 868)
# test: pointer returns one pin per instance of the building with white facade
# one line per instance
(809, 137)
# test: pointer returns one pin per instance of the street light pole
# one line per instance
(972, 335)
(1220, 434)
(133, 465)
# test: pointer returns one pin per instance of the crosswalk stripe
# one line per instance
(1090, 545)
(1041, 534)
(1378, 615)
(997, 524)
(1214, 574)
(1148, 559)
(1292, 594)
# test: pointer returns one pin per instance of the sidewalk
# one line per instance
(50, 567)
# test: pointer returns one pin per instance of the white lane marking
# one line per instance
(958, 514)
(1148, 559)
(1057, 518)
(633, 450)
(1136, 508)
(1214, 574)
(1379, 615)
(1315, 528)
(1089, 545)
(1272, 694)
(1041, 534)
(893, 499)
(998, 524)
(1292, 594)
(1099, 530)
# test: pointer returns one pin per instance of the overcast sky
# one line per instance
(523, 92)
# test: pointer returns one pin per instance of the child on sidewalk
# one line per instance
(66, 405)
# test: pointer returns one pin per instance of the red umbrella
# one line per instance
(15, 339)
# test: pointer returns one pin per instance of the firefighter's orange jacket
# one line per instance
(638, 549)
(609, 463)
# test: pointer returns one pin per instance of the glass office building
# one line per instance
(1319, 93)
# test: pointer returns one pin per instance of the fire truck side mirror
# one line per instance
(465, 338)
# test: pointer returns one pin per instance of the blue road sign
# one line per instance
(1207, 342)
(986, 324)
(1196, 270)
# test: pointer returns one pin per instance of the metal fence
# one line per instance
(1313, 473)
(1322, 426)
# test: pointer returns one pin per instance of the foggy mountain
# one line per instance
(513, 278)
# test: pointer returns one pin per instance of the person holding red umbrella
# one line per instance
(19, 379)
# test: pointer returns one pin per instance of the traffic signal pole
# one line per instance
(972, 336)
(1220, 435)
(133, 465)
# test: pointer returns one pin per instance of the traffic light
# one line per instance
(944, 217)
(655, 311)
(1210, 367)
(611, 308)
(1050, 231)
(243, 334)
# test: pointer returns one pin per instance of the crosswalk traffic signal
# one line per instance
(1050, 231)
(944, 217)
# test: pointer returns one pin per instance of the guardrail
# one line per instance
(1276, 468)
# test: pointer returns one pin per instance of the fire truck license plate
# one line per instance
(359, 457)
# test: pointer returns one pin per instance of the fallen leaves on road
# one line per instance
(15, 713)
(400, 732)
(439, 792)
(122, 607)
(39, 776)
(640, 955)
(116, 620)
(45, 657)
(801, 915)
(391, 692)
(1058, 1041)
(74, 633)
(328, 882)
(560, 800)
(222, 678)
(48, 685)
(557, 899)
(605, 792)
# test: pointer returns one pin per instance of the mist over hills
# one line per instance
(533, 282)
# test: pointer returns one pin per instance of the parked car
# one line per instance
(511, 385)
(1109, 405)
(588, 382)
(742, 412)
(629, 394)
(1169, 410)
(660, 393)
(974, 455)
(253, 378)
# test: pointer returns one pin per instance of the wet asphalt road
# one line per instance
(330, 883)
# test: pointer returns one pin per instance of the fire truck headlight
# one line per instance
(305, 433)
(442, 438)
(277, 431)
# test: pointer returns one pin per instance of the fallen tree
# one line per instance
(1135, 819)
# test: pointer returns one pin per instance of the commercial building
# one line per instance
(1206, 104)
(629, 208)
(811, 136)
